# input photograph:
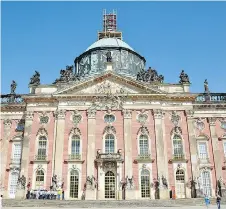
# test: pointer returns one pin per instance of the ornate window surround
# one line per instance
(44, 169)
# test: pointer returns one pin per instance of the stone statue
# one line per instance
(13, 87)
(109, 57)
(21, 183)
(219, 187)
(149, 76)
(206, 86)
(91, 182)
(193, 188)
(129, 182)
(35, 79)
(54, 181)
(164, 182)
(184, 77)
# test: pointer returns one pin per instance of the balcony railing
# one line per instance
(11, 99)
(109, 156)
(178, 157)
(204, 160)
(144, 156)
(74, 157)
(40, 157)
(15, 161)
(211, 97)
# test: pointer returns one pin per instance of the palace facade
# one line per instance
(108, 129)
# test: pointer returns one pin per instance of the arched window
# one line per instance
(143, 145)
(74, 179)
(40, 176)
(206, 183)
(109, 143)
(145, 183)
(75, 145)
(42, 148)
(177, 147)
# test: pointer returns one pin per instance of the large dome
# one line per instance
(109, 42)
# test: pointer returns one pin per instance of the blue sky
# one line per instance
(47, 36)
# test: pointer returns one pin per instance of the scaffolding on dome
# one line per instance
(109, 26)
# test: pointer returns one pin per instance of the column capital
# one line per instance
(158, 113)
(91, 113)
(60, 114)
(29, 115)
(7, 123)
(212, 121)
(189, 114)
(127, 114)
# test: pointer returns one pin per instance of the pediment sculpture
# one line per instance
(150, 76)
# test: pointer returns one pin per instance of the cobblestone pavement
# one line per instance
(184, 207)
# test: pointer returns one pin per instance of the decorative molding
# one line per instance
(127, 114)
(29, 115)
(109, 130)
(7, 123)
(212, 121)
(199, 124)
(158, 114)
(42, 132)
(43, 118)
(176, 130)
(76, 117)
(39, 167)
(142, 117)
(91, 113)
(143, 130)
(75, 131)
(60, 114)
(190, 114)
(175, 118)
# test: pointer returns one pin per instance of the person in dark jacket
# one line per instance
(218, 201)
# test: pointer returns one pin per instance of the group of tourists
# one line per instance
(43, 194)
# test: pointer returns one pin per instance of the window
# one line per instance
(203, 150)
(39, 179)
(177, 146)
(74, 177)
(13, 184)
(110, 185)
(75, 145)
(143, 144)
(206, 183)
(109, 143)
(145, 183)
(224, 148)
(42, 146)
(223, 125)
(109, 118)
(16, 153)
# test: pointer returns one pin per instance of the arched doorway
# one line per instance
(109, 185)
(74, 179)
(13, 184)
(145, 184)
(180, 184)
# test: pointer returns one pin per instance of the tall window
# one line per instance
(206, 183)
(177, 146)
(16, 152)
(109, 143)
(74, 177)
(203, 150)
(42, 146)
(224, 148)
(143, 144)
(13, 184)
(39, 183)
(75, 145)
(145, 183)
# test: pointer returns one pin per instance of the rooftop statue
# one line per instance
(184, 77)
(13, 87)
(151, 75)
(35, 79)
(206, 86)
(67, 75)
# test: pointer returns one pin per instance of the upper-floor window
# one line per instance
(109, 143)
(75, 145)
(16, 152)
(143, 144)
(109, 118)
(177, 146)
(203, 150)
(42, 146)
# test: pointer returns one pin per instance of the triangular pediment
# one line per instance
(108, 83)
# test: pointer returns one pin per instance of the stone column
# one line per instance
(162, 163)
(25, 151)
(59, 143)
(91, 152)
(193, 149)
(128, 163)
(4, 148)
(216, 151)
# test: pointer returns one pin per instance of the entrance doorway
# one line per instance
(13, 184)
(109, 185)
(180, 184)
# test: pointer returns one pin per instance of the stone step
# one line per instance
(106, 203)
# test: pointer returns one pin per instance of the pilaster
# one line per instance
(161, 150)
(91, 151)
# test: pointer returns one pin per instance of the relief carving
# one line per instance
(109, 130)
(91, 113)
(127, 113)
(7, 123)
(29, 115)
(60, 114)
(75, 131)
(42, 132)
(158, 114)
(76, 117)
(212, 121)
(143, 130)
(175, 118)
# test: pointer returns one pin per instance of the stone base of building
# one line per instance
(91, 194)
(164, 194)
(20, 194)
(130, 195)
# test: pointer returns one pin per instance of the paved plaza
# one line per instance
(190, 207)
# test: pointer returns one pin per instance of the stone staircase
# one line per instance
(106, 203)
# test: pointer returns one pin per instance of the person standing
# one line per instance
(218, 201)
(1, 201)
(207, 201)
